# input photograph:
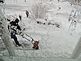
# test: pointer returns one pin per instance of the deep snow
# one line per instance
(54, 41)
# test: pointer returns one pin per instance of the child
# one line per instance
(13, 27)
(27, 13)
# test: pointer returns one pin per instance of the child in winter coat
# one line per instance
(13, 27)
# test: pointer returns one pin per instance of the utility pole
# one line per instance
(4, 34)
(77, 50)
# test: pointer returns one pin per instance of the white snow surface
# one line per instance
(53, 41)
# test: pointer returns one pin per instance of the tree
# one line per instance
(5, 34)
(39, 10)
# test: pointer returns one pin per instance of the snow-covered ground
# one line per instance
(53, 41)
